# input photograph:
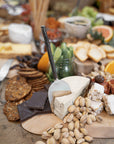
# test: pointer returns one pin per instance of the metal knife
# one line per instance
(5, 69)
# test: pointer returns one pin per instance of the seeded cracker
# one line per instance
(16, 89)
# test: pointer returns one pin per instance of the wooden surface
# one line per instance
(13, 133)
(105, 129)
(39, 123)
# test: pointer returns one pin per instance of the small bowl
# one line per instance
(20, 33)
(77, 30)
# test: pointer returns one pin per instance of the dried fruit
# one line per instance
(65, 134)
(88, 138)
(99, 79)
(50, 130)
(79, 115)
(93, 118)
(82, 109)
(65, 141)
(46, 135)
(80, 141)
(57, 134)
(84, 131)
(71, 108)
(77, 110)
(83, 119)
(71, 125)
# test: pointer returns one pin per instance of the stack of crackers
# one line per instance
(36, 79)
(17, 91)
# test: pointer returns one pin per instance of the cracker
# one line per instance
(17, 89)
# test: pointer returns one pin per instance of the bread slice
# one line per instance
(110, 55)
(81, 54)
(107, 48)
(10, 50)
(95, 54)
(103, 52)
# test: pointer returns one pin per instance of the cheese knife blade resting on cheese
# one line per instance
(59, 86)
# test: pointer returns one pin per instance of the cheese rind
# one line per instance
(77, 85)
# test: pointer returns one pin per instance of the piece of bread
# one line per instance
(110, 55)
(95, 54)
(10, 50)
(103, 52)
(81, 54)
(107, 48)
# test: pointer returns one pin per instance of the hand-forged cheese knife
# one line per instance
(57, 85)
(5, 69)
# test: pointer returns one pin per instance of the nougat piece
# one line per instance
(111, 85)
(109, 103)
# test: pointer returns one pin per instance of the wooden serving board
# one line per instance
(104, 129)
(39, 123)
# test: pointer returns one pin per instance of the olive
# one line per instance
(21, 65)
(33, 64)
(20, 59)
(28, 57)
(99, 79)
(25, 59)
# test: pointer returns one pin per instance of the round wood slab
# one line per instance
(39, 123)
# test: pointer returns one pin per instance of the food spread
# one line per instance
(84, 59)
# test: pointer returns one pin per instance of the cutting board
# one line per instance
(104, 129)
(39, 123)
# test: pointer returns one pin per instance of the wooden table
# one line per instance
(13, 133)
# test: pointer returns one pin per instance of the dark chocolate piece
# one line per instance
(26, 113)
(38, 100)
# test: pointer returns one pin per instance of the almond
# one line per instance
(71, 108)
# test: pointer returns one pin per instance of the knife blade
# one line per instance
(5, 69)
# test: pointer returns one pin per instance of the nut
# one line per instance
(93, 118)
(88, 138)
(77, 134)
(84, 131)
(82, 102)
(75, 119)
(39, 142)
(99, 119)
(57, 134)
(82, 125)
(71, 133)
(79, 115)
(65, 141)
(89, 110)
(50, 130)
(65, 134)
(83, 119)
(89, 120)
(51, 141)
(85, 113)
(58, 126)
(82, 109)
(77, 102)
(64, 130)
(76, 125)
(71, 125)
(87, 102)
(80, 141)
(71, 140)
(70, 118)
(71, 108)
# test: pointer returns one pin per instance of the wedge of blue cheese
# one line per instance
(77, 85)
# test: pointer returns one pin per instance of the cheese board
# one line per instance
(39, 123)
(104, 129)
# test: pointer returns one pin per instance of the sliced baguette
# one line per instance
(107, 48)
(110, 55)
(81, 54)
(103, 52)
(95, 54)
